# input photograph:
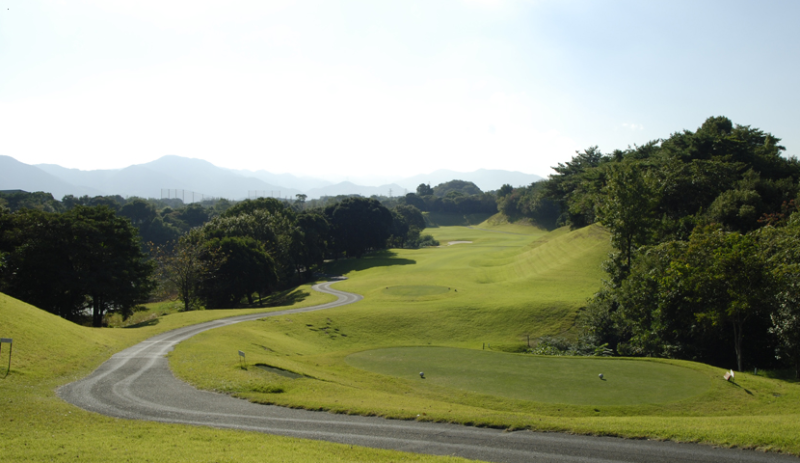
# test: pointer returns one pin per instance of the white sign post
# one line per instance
(242, 359)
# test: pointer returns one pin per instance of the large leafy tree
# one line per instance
(85, 259)
(114, 273)
(247, 269)
(574, 186)
(627, 207)
(37, 266)
(459, 186)
(269, 222)
(316, 230)
(781, 247)
(424, 190)
(184, 266)
(358, 225)
(728, 279)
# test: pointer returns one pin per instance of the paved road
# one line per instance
(137, 384)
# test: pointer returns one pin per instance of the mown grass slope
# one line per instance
(508, 283)
(36, 426)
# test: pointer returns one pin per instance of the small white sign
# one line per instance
(6, 340)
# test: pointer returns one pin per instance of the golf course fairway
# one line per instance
(433, 310)
(565, 380)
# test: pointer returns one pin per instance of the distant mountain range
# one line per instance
(171, 175)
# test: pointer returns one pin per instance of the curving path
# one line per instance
(137, 383)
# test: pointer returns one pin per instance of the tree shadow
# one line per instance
(280, 298)
(377, 259)
(786, 374)
(280, 371)
(151, 322)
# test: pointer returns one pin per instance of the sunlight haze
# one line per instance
(360, 88)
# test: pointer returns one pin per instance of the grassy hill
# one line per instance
(36, 426)
(429, 309)
(458, 313)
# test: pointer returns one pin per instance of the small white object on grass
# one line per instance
(600, 375)
(421, 374)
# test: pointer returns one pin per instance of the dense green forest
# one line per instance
(705, 230)
(84, 258)
(453, 197)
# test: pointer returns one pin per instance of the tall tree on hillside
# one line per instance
(412, 199)
(247, 269)
(412, 215)
(729, 280)
(36, 265)
(424, 190)
(505, 190)
(358, 225)
(185, 266)
(268, 221)
(86, 258)
(114, 273)
(399, 230)
(627, 207)
(316, 231)
(571, 183)
(460, 186)
(780, 243)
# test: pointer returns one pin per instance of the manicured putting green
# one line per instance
(567, 380)
(415, 291)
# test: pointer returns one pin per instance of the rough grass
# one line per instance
(36, 426)
(506, 285)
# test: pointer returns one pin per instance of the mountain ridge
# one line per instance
(172, 172)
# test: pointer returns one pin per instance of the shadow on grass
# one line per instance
(286, 297)
(151, 322)
(378, 259)
(789, 375)
(280, 371)
(740, 387)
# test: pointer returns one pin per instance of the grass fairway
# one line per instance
(415, 291)
(511, 282)
(555, 380)
(37, 426)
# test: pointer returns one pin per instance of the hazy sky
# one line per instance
(335, 88)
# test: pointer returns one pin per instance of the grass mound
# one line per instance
(36, 426)
(46, 345)
(564, 380)
(415, 290)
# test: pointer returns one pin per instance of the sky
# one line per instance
(353, 89)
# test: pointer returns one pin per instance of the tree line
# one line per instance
(704, 227)
(453, 197)
(88, 257)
